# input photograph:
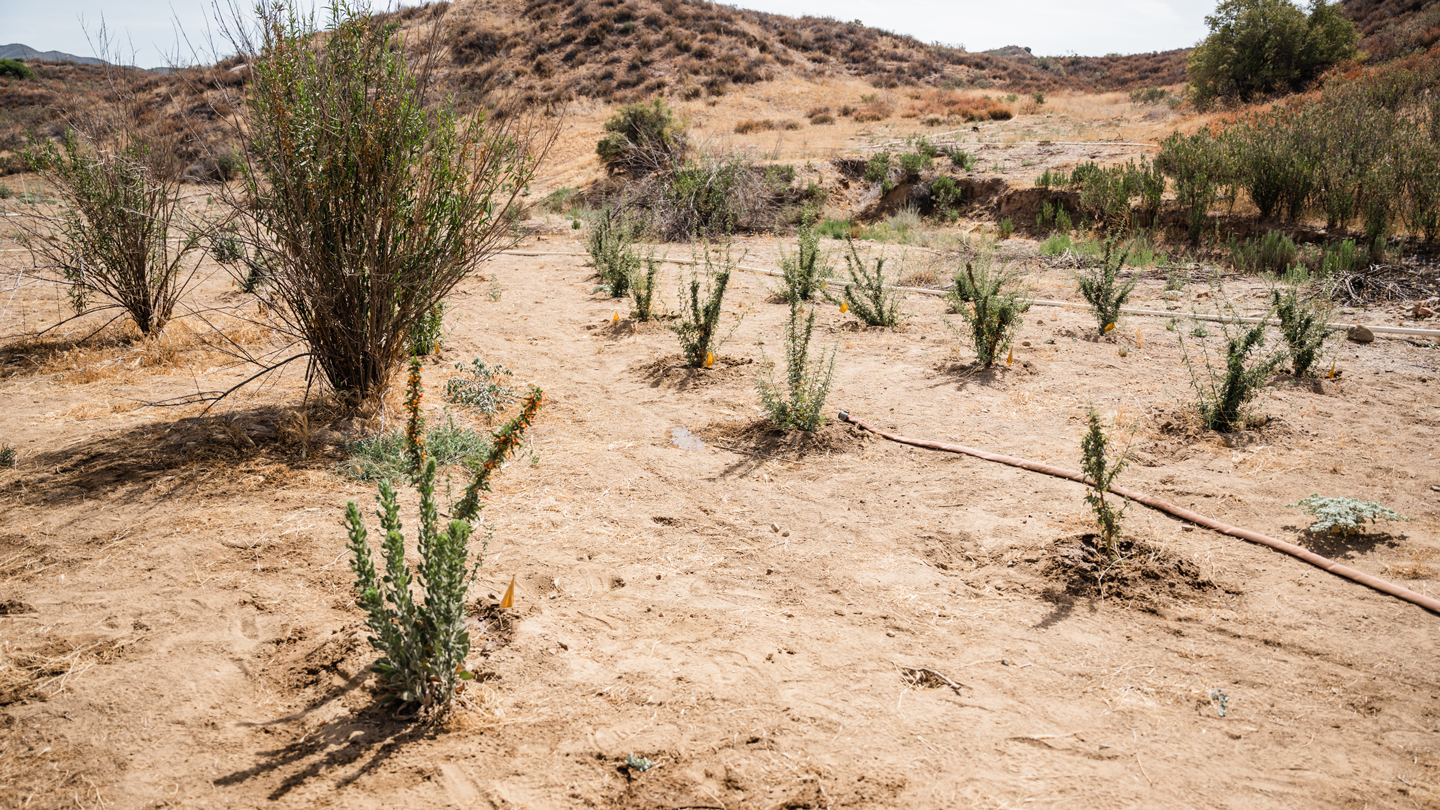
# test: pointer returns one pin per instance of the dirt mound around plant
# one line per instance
(760, 437)
(1141, 575)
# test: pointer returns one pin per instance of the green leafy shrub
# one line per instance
(1006, 228)
(424, 644)
(992, 305)
(865, 293)
(15, 69)
(877, 169)
(1272, 162)
(643, 286)
(611, 245)
(1259, 47)
(946, 197)
(8, 456)
(836, 228)
(800, 404)
(482, 390)
(559, 201)
(1341, 258)
(427, 332)
(1272, 253)
(1199, 166)
(708, 198)
(1343, 515)
(961, 159)
(1059, 243)
(366, 207)
(698, 326)
(1225, 386)
(806, 273)
(1102, 288)
(1302, 323)
(1100, 472)
(643, 139)
(122, 235)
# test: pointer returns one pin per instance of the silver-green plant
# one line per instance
(423, 644)
(866, 294)
(799, 405)
(1343, 515)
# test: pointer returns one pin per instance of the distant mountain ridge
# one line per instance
(17, 51)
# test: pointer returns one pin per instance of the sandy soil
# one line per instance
(767, 621)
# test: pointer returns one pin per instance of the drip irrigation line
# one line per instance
(1427, 602)
(1039, 302)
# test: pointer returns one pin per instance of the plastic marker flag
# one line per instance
(1011, 358)
(844, 306)
(509, 599)
(1331, 375)
(1108, 327)
(709, 359)
(616, 317)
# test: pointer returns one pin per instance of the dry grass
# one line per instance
(119, 354)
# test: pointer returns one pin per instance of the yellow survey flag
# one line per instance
(709, 359)
(1011, 358)
(844, 306)
(1108, 327)
(616, 317)
(508, 601)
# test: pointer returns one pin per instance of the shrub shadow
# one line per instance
(1347, 546)
(124, 465)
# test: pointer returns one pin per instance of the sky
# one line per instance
(1049, 27)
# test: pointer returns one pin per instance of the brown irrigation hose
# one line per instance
(1429, 603)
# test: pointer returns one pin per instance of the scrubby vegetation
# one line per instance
(798, 403)
(992, 303)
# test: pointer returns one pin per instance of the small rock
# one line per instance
(1005, 662)
(785, 533)
(1360, 334)
(1421, 311)
(774, 527)
(890, 633)
(327, 437)
(1024, 343)
(1124, 352)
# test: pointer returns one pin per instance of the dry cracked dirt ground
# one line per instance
(834, 622)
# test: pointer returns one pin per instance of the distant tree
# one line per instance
(16, 69)
(642, 139)
(1260, 47)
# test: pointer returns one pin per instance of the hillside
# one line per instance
(26, 53)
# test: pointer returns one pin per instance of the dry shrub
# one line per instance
(754, 125)
(949, 104)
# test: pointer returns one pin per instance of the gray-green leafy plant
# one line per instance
(367, 199)
(698, 326)
(1302, 323)
(1100, 472)
(1343, 515)
(612, 250)
(481, 389)
(423, 643)
(1226, 385)
(992, 304)
(866, 294)
(806, 273)
(800, 403)
(1102, 287)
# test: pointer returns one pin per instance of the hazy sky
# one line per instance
(1049, 27)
